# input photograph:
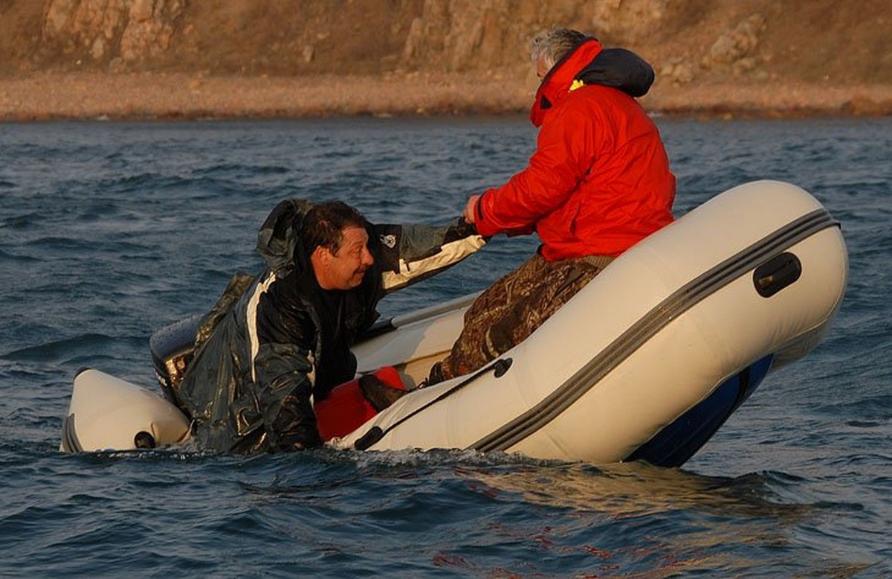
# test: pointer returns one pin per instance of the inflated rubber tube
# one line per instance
(107, 413)
(756, 273)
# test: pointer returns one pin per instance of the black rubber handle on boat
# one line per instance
(376, 433)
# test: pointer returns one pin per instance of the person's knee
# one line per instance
(501, 337)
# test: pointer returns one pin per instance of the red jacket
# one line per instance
(599, 180)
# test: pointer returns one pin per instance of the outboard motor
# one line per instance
(173, 348)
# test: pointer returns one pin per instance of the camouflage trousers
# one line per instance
(512, 308)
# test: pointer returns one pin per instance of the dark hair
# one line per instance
(323, 224)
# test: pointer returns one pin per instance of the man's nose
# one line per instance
(367, 258)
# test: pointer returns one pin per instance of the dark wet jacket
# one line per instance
(274, 344)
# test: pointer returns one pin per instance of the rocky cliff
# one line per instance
(693, 44)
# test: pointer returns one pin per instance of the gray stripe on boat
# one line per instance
(70, 443)
(673, 306)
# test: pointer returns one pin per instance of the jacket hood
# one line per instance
(556, 84)
(619, 68)
(590, 64)
(278, 241)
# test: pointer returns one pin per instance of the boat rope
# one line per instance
(376, 433)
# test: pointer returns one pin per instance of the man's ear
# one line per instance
(319, 261)
(321, 255)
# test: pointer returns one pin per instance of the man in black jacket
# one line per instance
(270, 348)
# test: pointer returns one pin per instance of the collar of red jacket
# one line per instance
(556, 84)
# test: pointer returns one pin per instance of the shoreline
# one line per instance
(49, 96)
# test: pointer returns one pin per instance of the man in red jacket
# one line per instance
(598, 182)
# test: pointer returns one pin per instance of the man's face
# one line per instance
(541, 68)
(345, 268)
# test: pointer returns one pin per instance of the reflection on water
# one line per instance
(637, 514)
(596, 520)
(636, 489)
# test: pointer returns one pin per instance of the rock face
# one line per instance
(687, 41)
(457, 35)
(736, 47)
(111, 31)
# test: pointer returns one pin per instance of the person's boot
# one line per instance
(379, 394)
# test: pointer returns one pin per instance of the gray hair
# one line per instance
(552, 45)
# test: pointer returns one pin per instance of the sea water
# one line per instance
(111, 230)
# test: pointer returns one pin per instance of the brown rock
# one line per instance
(738, 43)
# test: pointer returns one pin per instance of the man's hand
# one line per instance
(471, 208)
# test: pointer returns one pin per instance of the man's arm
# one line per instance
(562, 158)
(282, 363)
(283, 389)
(410, 253)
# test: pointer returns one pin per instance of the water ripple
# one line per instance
(108, 230)
(61, 350)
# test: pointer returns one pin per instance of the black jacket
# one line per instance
(273, 344)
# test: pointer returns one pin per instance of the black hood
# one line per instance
(621, 69)
(278, 241)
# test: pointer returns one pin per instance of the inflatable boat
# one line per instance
(645, 363)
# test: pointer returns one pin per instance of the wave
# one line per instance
(56, 242)
(23, 221)
(159, 183)
(116, 243)
(868, 410)
(241, 169)
(862, 461)
(83, 345)
(13, 258)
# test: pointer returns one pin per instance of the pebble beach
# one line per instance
(139, 96)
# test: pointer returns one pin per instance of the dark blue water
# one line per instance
(108, 231)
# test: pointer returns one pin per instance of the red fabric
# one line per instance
(556, 84)
(599, 180)
(345, 408)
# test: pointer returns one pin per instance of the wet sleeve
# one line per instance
(410, 253)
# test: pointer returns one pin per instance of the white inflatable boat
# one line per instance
(644, 363)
